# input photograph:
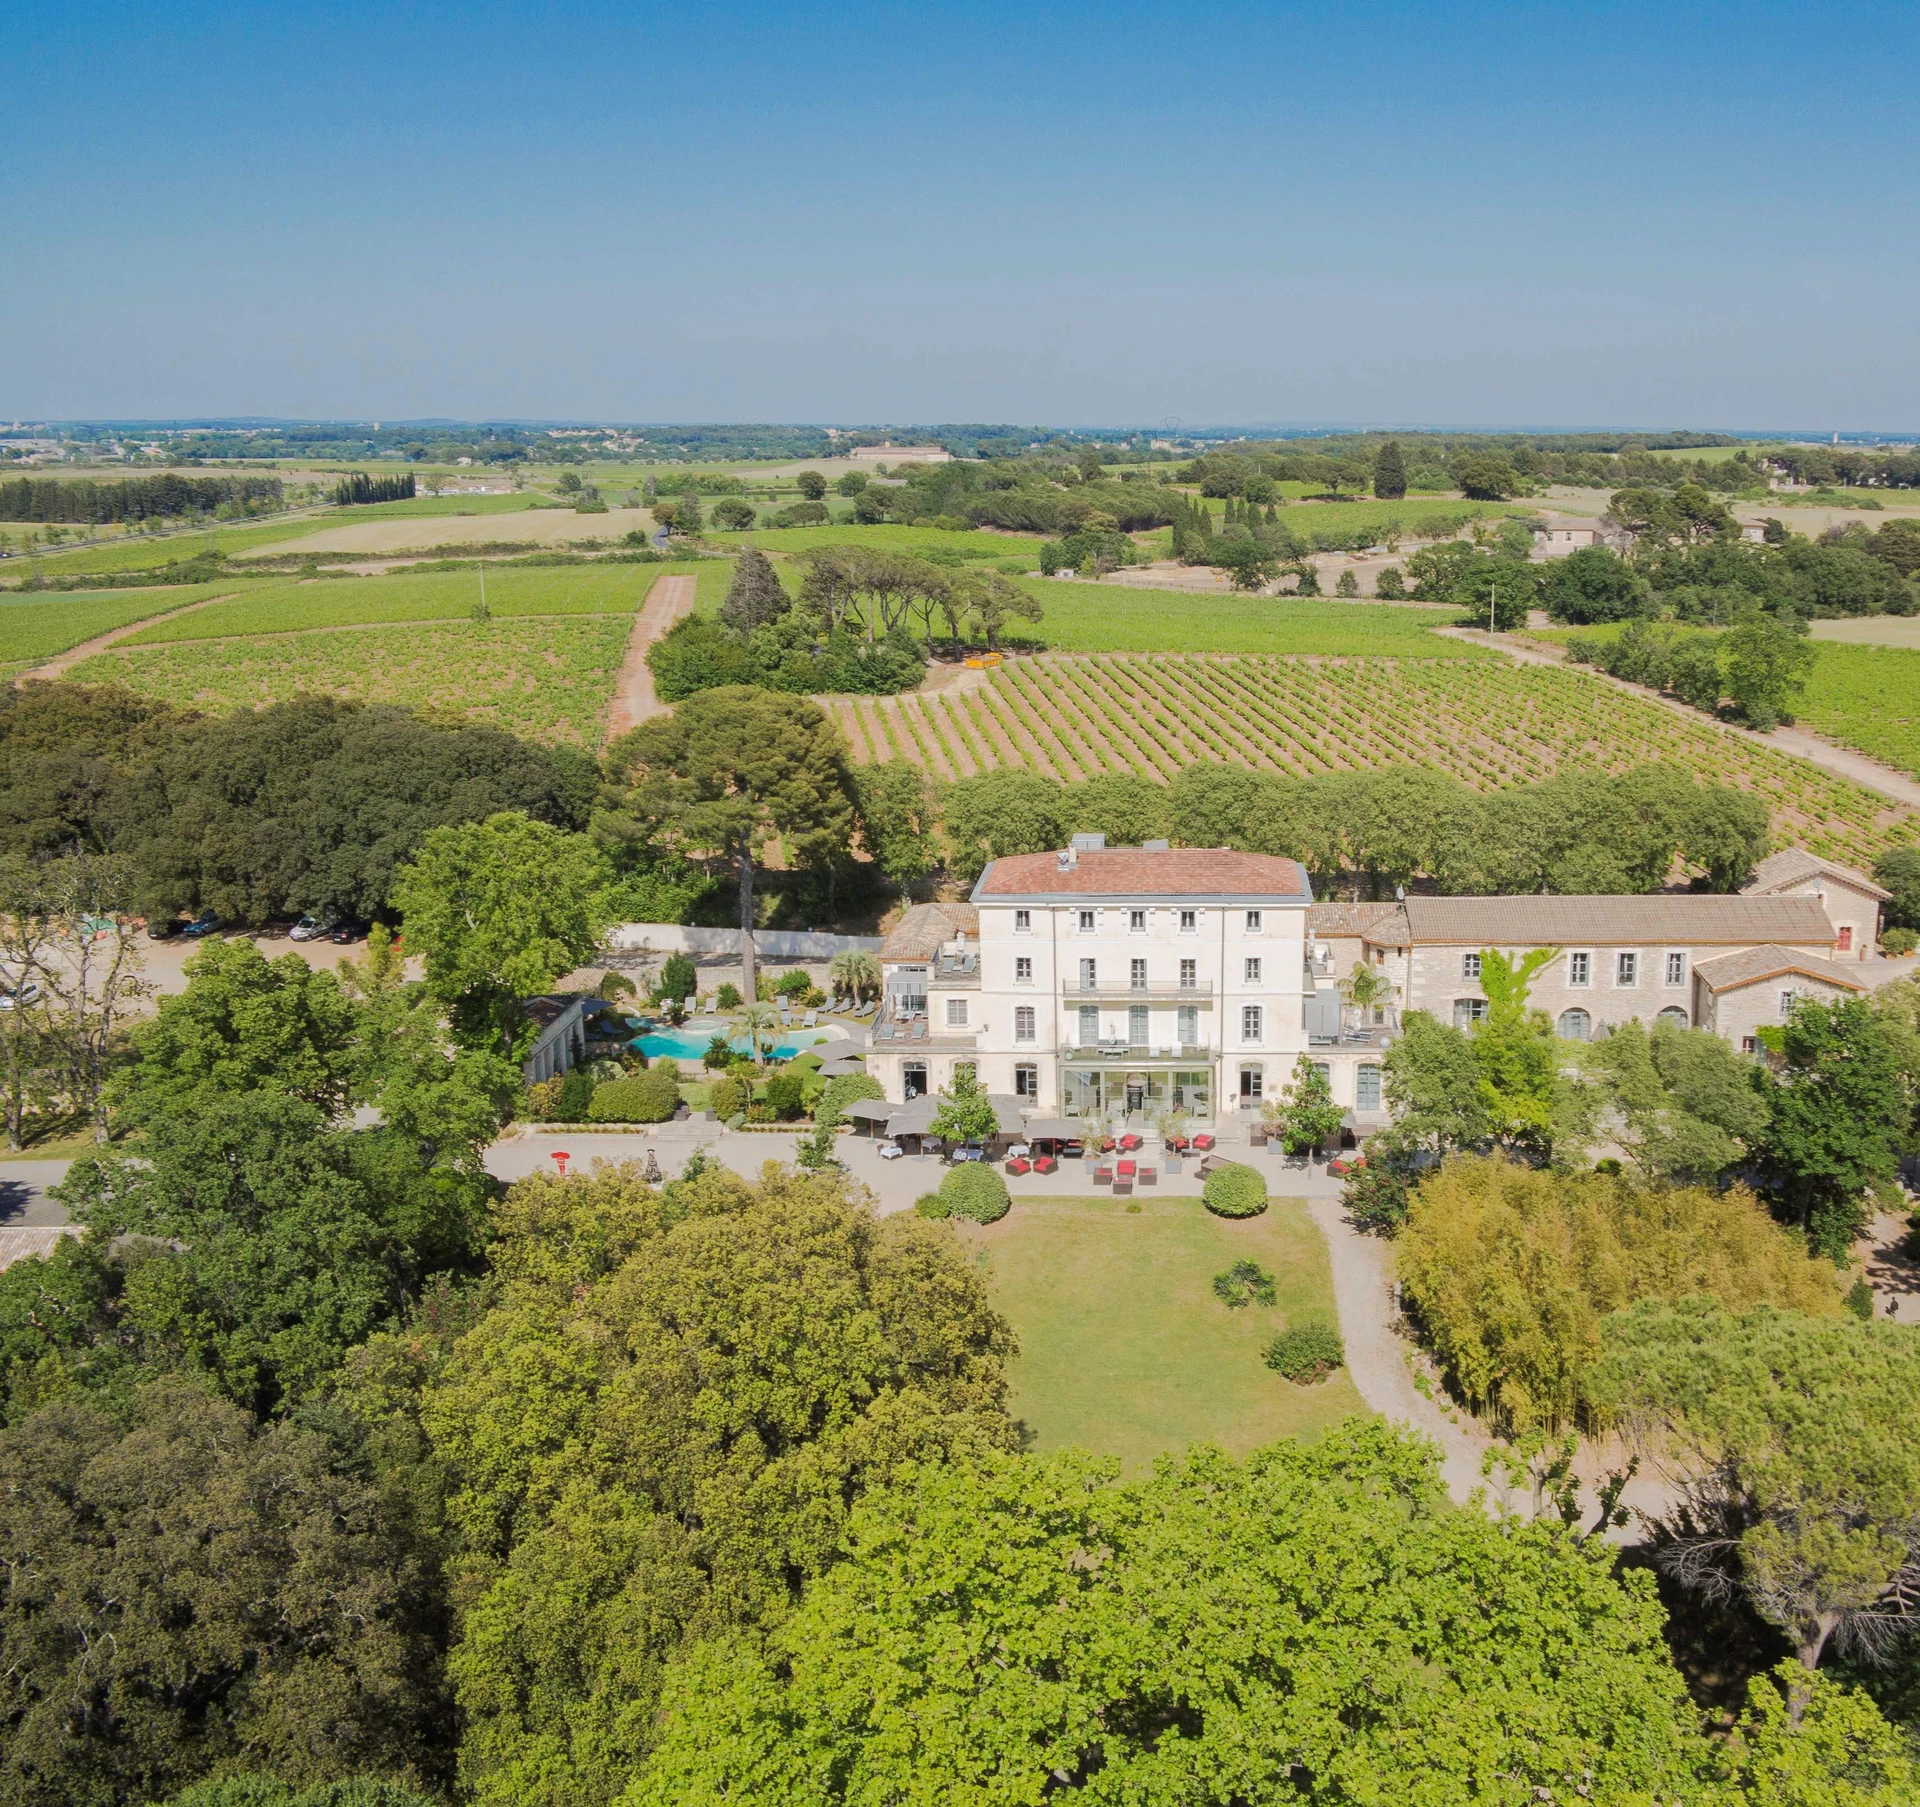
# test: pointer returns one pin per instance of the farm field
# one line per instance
(1485, 721)
(548, 678)
(41, 625)
(299, 605)
(1125, 1351)
(1864, 692)
(448, 528)
(1090, 617)
(889, 537)
(145, 552)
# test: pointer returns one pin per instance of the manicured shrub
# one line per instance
(1245, 1283)
(794, 984)
(1899, 941)
(1306, 1352)
(1235, 1190)
(727, 1097)
(573, 1098)
(975, 1191)
(785, 1097)
(649, 1097)
(679, 977)
(727, 997)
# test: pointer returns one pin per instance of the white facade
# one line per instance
(1100, 979)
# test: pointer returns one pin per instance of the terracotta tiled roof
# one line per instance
(1753, 965)
(925, 928)
(1673, 919)
(1383, 921)
(1146, 872)
(1795, 865)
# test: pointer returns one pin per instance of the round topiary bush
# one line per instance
(1235, 1191)
(1899, 942)
(975, 1191)
(1306, 1352)
(649, 1097)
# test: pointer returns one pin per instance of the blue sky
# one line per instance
(1569, 215)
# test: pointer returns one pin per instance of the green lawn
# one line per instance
(296, 604)
(1125, 1351)
(1088, 617)
(39, 625)
(547, 678)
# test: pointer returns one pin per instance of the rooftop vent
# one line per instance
(1155, 846)
(1089, 843)
(1069, 857)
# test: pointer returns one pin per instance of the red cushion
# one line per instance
(1016, 1165)
(1126, 1169)
(1203, 1141)
(1045, 1164)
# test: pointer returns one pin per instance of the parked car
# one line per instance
(345, 933)
(311, 928)
(17, 997)
(206, 923)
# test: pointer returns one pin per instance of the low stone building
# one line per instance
(1851, 899)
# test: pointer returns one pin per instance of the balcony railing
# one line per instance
(1200, 991)
(1132, 1053)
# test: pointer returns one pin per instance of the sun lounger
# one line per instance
(813, 1020)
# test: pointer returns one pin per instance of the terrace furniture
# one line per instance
(1103, 1176)
(1130, 1141)
(1019, 1164)
(1126, 1169)
(1148, 1177)
(1257, 1136)
(1045, 1164)
(1122, 1187)
(1071, 1151)
(1173, 1163)
(1203, 1141)
(712, 1007)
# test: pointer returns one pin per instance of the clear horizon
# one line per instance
(1274, 216)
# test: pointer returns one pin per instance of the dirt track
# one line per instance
(62, 663)
(634, 698)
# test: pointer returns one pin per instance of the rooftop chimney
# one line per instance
(1069, 858)
(1089, 843)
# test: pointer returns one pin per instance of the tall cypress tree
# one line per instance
(1390, 472)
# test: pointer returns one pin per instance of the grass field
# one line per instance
(1488, 722)
(1089, 617)
(890, 537)
(1125, 1351)
(546, 678)
(298, 605)
(38, 625)
(145, 552)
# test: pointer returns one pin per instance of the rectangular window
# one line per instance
(1189, 974)
(1676, 969)
(1189, 921)
(1749, 1044)
(1026, 1080)
(1325, 1071)
(1023, 922)
(1086, 922)
(1468, 1011)
(1136, 922)
(956, 1013)
(1137, 1026)
(1253, 971)
(1089, 974)
(1187, 1026)
(1089, 1025)
(1023, 969)
(1469, 966)
(1626, 967)
(1786, 1005)
(1366, 1089)
(1250, 1083)
(1253, 922)
(1251, 1020)
(1023, 1029)
(1137, 974)
(1579, 969)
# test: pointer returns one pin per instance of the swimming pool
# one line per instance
(691, 1043)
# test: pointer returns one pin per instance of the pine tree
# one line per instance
(1390, 472)
(755, 596)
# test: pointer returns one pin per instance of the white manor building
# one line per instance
(1157, 978)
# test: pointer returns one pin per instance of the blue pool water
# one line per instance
(691, 1043)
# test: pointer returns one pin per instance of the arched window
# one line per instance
(1574, 1026)
(1673, 1017)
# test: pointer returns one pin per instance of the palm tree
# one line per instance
(1366, 988)
(754, 1018)
(856, 974)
